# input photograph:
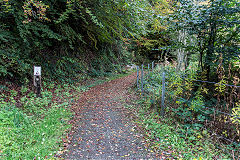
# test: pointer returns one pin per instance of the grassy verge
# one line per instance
(173, 139)
(35, 128)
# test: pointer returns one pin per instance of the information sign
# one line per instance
(37, 71)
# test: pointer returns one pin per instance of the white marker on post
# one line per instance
(37, 71)
(37, 80)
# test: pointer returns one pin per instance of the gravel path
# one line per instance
(101, 128)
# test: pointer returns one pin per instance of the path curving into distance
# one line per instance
(101, 128)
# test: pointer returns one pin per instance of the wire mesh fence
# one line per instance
(217, 121)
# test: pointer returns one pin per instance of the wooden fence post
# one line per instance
(163, 95)
(142, 79)
(152, 66)
(148, 68)
(137, 77)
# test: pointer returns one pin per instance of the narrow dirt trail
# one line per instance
(101, 129)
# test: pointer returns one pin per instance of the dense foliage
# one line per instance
(209, 29)
(207, 34)
(65, 36)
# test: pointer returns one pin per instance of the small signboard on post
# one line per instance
(37, 71)
(37, 79)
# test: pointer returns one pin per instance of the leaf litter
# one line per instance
(101, 126)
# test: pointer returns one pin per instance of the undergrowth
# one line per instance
(168, 137)
(184, 132)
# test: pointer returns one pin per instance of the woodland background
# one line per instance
(74, 40)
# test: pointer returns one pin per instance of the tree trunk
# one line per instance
(210, 48)
(181, 53)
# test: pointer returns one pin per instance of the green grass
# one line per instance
(168, 136)
(180, 142)
(24, 137)
(35, 129)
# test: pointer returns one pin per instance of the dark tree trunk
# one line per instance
(210, 47)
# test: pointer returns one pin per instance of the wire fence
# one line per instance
(229, 85)
(164, 83)
(144, 79)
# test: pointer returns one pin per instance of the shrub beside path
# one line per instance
(101, 128)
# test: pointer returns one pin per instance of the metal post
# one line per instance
(163, 95)
(155, 105)
(152, 66)
(148, 68)
(37, 80)
(142, 79)
(137, 77)
(38, 87)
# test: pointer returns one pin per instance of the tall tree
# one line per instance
(213, 24)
